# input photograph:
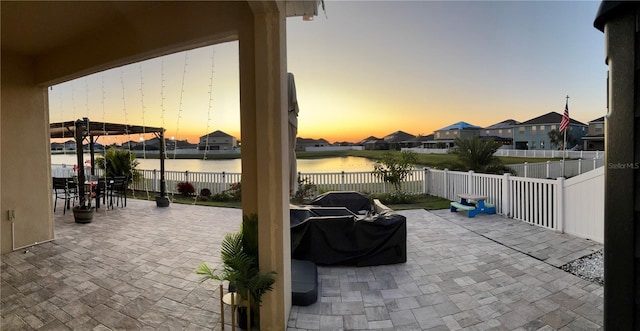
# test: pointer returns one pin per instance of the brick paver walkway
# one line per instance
(132, 269)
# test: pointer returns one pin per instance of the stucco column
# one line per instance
(618, 20)
(25, 164)
(264, 153)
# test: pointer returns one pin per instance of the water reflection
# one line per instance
(331, 164)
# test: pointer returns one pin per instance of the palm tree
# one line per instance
(478, 155)
(555, 138)
(119, 163)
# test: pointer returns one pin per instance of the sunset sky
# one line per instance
(372, 68)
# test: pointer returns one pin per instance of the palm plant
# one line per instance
(240, 268)
(478, 155)
(119, 163)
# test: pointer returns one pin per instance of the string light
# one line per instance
(184, 74)
(144, 149)
(73, 100)
(105, 134)
(206, 145)
(162, 109)
(144, 144)
(126, 121)
(64, 143)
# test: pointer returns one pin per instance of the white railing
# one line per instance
(534, 153)
(550, 153)
(533, 200)
(553, 169)
(333, 148)
(574, 205)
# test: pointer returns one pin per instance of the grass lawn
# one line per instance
(427, 202)
(440, 161)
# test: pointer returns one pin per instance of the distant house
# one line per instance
(154, 144)
(70, 145)
(132, 145)
(303, 143)
(217, 141)
(427, 141)
(372, 143)
(57, 146)
(399, 139)
(594, 139)
(446, 136)
(534, 133)
(501, 132)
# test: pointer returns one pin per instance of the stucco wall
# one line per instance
(25, 171)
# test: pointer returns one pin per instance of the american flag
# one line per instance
(564, 124)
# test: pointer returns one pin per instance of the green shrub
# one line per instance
(222, 197)
(395, 198)
(307, 190)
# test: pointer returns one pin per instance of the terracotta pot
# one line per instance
(83, 214)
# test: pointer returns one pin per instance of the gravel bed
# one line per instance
(590, 267)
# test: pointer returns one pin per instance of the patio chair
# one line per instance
(104, 190)
(65, 189)
(119, 191)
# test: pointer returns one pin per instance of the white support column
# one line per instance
(526, 167)
(470, 188)
(265, 154)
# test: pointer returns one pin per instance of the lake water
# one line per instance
(331, 164)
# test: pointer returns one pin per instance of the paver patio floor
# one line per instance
(132, 269)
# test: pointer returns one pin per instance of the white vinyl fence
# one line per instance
(574, 205)
(550, 153)
(553, 169)
(534, 153)
(584, 201)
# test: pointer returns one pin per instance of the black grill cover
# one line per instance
(354, 201)
(332, 240)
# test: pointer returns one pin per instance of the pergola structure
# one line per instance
(84, 128)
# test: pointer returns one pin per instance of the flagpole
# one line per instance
(564, 152)
(564, 141)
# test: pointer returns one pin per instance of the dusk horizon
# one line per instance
(371, 68)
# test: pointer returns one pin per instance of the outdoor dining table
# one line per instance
(473, 204)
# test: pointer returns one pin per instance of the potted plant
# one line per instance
(83, 212)
(239, 253)
(119, 163)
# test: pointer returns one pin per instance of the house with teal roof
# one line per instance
(534, 133)
(463, 130)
